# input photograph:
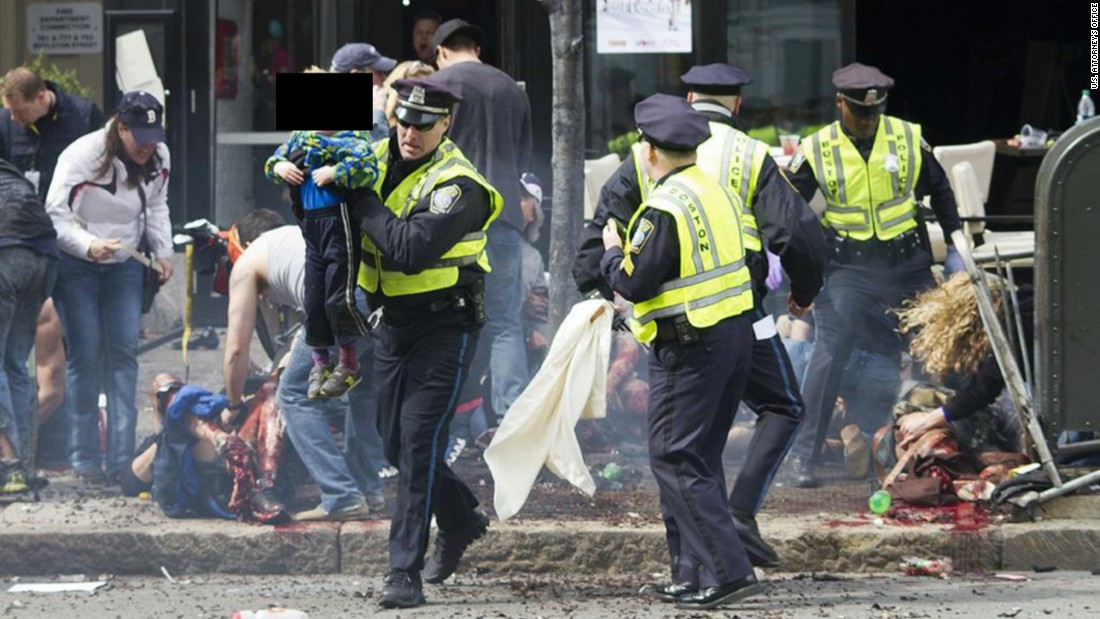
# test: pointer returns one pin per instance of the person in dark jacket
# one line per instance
(28, 253)
(492, 127)
(785, 222)
(39, 120)
(423, 267)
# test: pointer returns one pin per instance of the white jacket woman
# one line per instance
(95, 201)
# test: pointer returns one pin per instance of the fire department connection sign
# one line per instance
(65, 28)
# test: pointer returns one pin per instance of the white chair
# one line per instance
(596, 173)
(968, 197)
(980, 155)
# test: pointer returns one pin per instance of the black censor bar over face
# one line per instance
(323, 101)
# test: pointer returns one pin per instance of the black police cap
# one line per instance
(421, 101)
(670, 122)
(861, 84)
(716, 79)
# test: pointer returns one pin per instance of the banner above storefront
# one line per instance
(643, 27)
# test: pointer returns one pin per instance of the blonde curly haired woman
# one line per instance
(951, 339)
(409, 69)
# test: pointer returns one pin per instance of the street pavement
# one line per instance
(790, 596)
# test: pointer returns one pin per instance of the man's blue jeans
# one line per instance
(26, 279)
(870, 389)
(503, 332)
(346, 477)
(100, 308)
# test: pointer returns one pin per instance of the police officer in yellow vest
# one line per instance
(423, 265)
(872, 170)
(772, 212)
(685, 272)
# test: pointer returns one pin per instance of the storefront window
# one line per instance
(253, 42)
(791, 48)
(617, 81)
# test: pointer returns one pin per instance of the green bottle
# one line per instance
(879, 502)
(612, 472)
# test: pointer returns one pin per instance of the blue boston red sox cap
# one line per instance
(144, 115)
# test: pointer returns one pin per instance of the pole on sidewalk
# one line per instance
(567, 162)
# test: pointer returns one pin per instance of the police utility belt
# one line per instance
(895, 251)
(677, 330)
(462, 299)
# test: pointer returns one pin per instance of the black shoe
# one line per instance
(713, 597)
(672, 591)
(266, 506)
(93, 475)
(449, 549)
(801, 473)
(205, 339)
(761, 554)
(401, 589)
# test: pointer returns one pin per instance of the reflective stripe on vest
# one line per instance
(868, 199)
(645, 184)
(714, 283)
(415, 191)
(736, 159)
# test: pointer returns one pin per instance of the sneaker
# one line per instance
(401, 589)
(458, 445)
(376, 502)
(449, 549)
(14, 477)
(318, 514)
(857, 453)
(387, 472)
(317, 377)
(339, 382)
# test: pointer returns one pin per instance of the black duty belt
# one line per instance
(896, 250)
(466, 298)
(676, 330)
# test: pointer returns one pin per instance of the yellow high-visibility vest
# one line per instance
(414, 193)
(873, 198)
(735, 160)
(714, 283)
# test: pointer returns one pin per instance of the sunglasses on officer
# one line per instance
(421, 127)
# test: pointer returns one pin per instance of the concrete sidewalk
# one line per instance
(130, 536)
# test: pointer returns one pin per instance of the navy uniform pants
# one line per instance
(772, 393)
(419, 366)
(694, 393)
(851, 290)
